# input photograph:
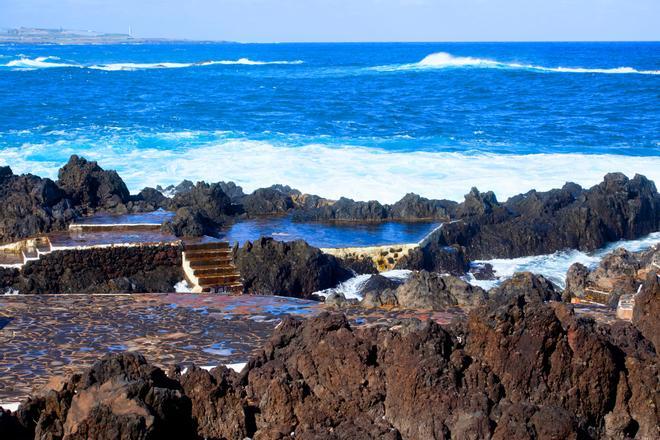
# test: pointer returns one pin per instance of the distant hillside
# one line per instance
(68, 36)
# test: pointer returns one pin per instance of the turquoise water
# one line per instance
(363, 120)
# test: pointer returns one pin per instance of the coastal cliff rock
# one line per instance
(271, 267)
(518, 369)
(139, 269)
(544, 222)
(30, 205)
(87, 185)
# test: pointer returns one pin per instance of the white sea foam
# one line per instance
(555, 266)
(444, 60)
(26, 63)
(11, 406)
(351, 288)
(182, 287)
(38, 63)
(331, 171)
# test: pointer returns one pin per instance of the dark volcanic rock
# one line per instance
(271, 267)
(208, 208)
(410, 207)
(518, 369)
(426, 290)
(30, 205)
(171, 190)
(189, 222)
(233, 191)
(436, 258)
(139, 269)
(361, 265)
(266, 201)
(91, 187)
(532, 287)
(219, 408)
(120, 397)
(544, 222)
(414, 207)
(152, 199)
(344, 209)
(8, 278)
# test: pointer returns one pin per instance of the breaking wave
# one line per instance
(554, 266)
(26, 63)
(444, 60)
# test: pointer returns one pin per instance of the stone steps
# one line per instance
(209, 267)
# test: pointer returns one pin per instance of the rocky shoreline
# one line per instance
(517, 362)
(517, 367)
(480, 227)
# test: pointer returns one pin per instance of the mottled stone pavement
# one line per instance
(53, 335)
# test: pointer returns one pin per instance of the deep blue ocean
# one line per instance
(363, 120)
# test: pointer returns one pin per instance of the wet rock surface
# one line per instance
(271, 267)
(514, 369)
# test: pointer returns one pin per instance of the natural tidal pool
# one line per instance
(330, 235)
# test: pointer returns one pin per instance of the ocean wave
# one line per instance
(444, 60)
(554, 266)
(37, 63)
(327, 170)
(49, 62)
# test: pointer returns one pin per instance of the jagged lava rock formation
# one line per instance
(271, 267)
(517, 368)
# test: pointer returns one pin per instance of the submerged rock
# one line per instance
(270, 267)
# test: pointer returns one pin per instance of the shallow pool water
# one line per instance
(329, 235)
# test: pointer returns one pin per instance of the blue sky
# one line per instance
(348, 20)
